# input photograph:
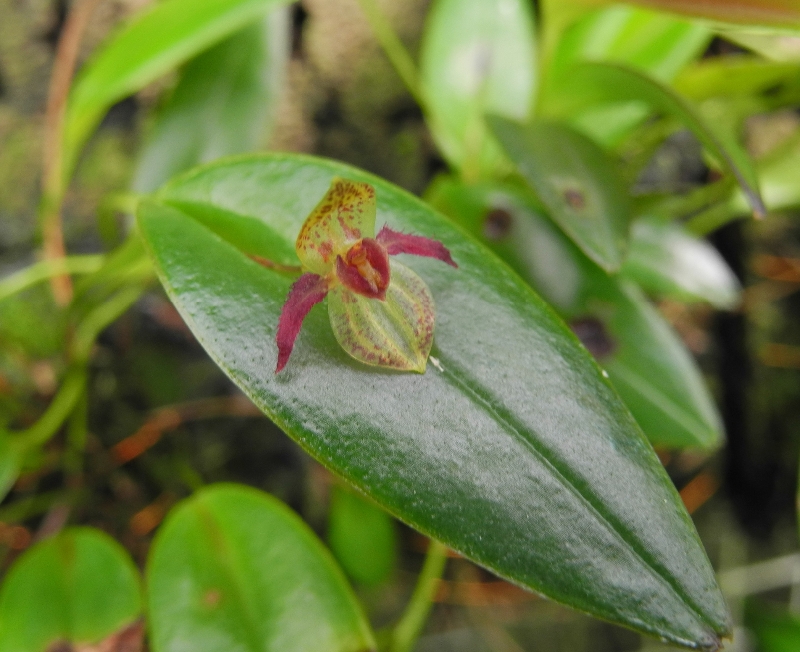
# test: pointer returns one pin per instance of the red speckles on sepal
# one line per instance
(305, 292)
(365, 269)
(417, 245)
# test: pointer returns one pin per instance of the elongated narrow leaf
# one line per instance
(596, 83)
(234, 569)
(222, 104)
(9, 463)
(645, 360)
(734, 76)
(478, 56)
(78, 587)
(759, 12)
(650, 41)
(164, 37)
(577, 182)
(512, 447)
(667, 260)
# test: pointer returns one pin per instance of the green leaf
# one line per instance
(160, 39)
(79, 586)
(733, 77)
(775, 630)
(512, 448)
(650, 41)
(656, 43)
(576, 180)
(647, 363)
(9, 464)
(222, 104)
(596, 83)
(749, 12)
(362, 536)
(233, 568)
(772, 43)
(666, 260)
(477, 57)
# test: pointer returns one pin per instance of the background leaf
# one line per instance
(595, 83)
(157, 41)
(222, 105)
(9, 464)
(477, 57)
(362, 536)
(512, 448)
(658, 44)
(576, 180)
(234, 569)
(79, 586)
(666, 260)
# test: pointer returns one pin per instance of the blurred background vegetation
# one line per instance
(163, 420)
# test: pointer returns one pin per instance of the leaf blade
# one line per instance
(234, 568)
(485, 456)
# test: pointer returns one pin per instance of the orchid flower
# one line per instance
(381, 312)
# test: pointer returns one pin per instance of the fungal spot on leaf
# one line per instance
(211, 598)
(594, 336)
(575, 199)
(497, 224)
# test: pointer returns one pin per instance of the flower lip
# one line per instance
(365, 269)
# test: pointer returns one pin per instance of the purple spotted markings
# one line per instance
(381, 312)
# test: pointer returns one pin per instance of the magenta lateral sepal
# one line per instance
(306, 291)
(365, 269)
(417, 245)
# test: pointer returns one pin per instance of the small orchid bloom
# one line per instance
(381, 312)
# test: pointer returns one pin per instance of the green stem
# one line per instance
(46, 269)
(74, 383)
(410, 625)
(393, 47)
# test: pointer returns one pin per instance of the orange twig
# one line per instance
(278, 267)
(170, 417)
(698, 490)
(53, 180)
(481, 594)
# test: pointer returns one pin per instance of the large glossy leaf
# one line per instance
(477, 57)
(233, 568)
(576, 180)
(645, 360)
(162, 38)
(666, 260)
(79, 587)
(221, 105)
(595, 83)
(511, 448)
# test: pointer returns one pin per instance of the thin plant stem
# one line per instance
(393, 48)
(53, 176)
(46, 269)
(74, 383)
(408, 628)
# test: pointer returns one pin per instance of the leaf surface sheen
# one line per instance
(512, 449)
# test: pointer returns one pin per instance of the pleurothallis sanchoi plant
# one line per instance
(483, 364)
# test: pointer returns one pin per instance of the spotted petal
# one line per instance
(344, 215)
(395, 333)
